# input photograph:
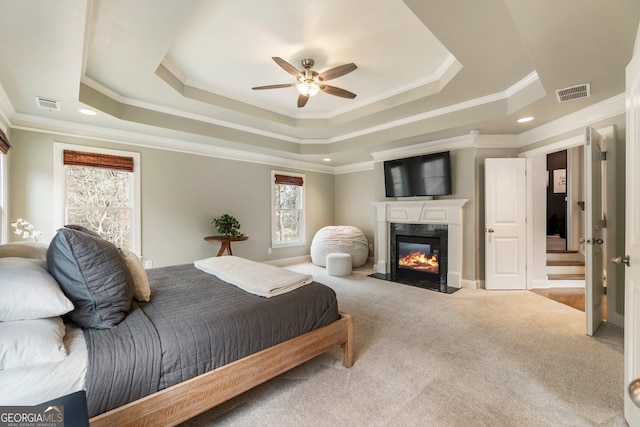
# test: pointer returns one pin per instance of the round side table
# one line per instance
(225, 242)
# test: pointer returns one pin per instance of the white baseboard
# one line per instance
(471, 284)
(283, 262)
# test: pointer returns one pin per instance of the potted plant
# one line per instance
(227, 226)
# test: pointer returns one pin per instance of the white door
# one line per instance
(505, 223)
(632, 240)
(593, 229)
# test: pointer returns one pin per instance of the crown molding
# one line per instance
(606, 109)
(454, 143)
(55, 127)
(5, 106)
(183, 114)
(608, 132)
(450, 63)
(354, 167)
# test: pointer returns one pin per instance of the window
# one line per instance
(287, 216)
(4, 220)
(99, 189)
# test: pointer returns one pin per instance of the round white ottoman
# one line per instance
(338, 264)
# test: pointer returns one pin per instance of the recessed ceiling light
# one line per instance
(525, 119)
(87, 112)
(326, 160)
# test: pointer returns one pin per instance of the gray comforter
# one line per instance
(194, 323)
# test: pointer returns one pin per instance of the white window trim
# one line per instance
(303, 241)
(59, 187)
(4, 199)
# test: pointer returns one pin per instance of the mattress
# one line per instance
(194, 323)
(33, 385)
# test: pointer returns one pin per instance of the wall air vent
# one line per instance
(573, 92)
(47, 104)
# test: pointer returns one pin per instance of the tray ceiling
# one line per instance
(181, 71)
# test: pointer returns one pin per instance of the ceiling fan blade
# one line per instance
(273, 86)
(302, 100)
(337, 71)
(287, 67)
(332, 90)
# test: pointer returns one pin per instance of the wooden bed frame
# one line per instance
(185, 400)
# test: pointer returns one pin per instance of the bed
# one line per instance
(197, 342)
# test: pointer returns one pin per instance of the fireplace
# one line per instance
(418, 254)
(434, 219)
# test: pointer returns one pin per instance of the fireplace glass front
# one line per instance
(418, 257)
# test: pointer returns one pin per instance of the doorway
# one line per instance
(613, 209)
(557, 201)
(565, 266)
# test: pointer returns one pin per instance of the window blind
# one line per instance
(97, 160)
(288, 180)
(4, 143)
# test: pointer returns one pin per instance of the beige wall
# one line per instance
(180, 195)
(463, 184)
(354, 195)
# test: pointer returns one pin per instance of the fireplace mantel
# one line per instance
(447, 211)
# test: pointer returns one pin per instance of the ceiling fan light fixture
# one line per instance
(308, 87)
(309, 82)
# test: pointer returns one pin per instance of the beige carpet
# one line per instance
(472, 358)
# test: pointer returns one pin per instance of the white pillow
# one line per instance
(141, 288)
(24, 250)
(28, 291)
(31, 342)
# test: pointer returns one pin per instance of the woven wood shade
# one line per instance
(97, 160)
(4, 143)
(289, 180)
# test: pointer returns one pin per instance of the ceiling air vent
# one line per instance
(47, 104)
(573, 92)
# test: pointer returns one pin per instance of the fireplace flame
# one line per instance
(420, 261)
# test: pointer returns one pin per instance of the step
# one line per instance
(564, 263)
(565, 277)
(565, 267)
(566, 280)
(564, 256)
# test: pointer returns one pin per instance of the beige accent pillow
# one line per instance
(141, 288)
(32, 250)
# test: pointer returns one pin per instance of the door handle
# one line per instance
(592, 241)
(489, 230)
(634, 392)
(581, 240)
(626, 261)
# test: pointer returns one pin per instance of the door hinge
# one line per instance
(604, 223)
(603, 156)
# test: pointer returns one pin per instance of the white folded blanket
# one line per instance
(255, 277)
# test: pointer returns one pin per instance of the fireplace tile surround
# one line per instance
(436, 212)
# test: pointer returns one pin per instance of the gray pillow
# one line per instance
(94, 277)
(82, 228)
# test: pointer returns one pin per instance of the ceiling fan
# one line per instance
(310, 82)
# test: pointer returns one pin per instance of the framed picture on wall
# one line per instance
(560, 181)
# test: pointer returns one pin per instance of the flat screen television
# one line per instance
(426, 175)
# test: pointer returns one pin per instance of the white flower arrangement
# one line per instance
(23, 228)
